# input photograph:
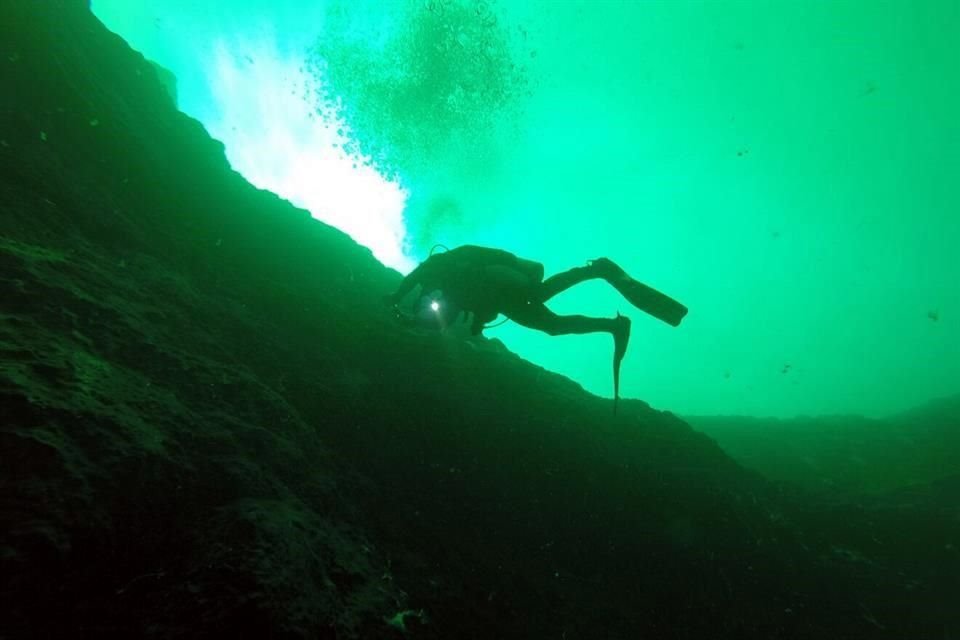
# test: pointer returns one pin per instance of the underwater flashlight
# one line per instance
(435, 305)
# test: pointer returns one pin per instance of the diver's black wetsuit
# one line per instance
(486, 282)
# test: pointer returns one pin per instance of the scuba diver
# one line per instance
(486, 282)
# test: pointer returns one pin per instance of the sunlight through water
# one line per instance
(300, 155)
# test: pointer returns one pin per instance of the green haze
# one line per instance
(787, 170)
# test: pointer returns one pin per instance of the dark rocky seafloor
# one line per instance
(210, 427)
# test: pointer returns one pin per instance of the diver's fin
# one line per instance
(621, 338)
(645, 298)
(649, 300)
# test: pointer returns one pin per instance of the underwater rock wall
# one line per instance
(152, 482)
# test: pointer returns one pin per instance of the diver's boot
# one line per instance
(621, 338)
(607, 269)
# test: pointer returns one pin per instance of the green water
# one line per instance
(786, 170)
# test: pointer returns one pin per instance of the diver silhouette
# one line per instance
(486, 282)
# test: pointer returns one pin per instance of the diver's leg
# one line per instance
(563, 281)
(537, 316)
(600, 268)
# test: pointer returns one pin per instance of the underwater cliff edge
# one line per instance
(210, 426)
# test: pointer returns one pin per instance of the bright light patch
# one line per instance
(269, 122)
(435, 305)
